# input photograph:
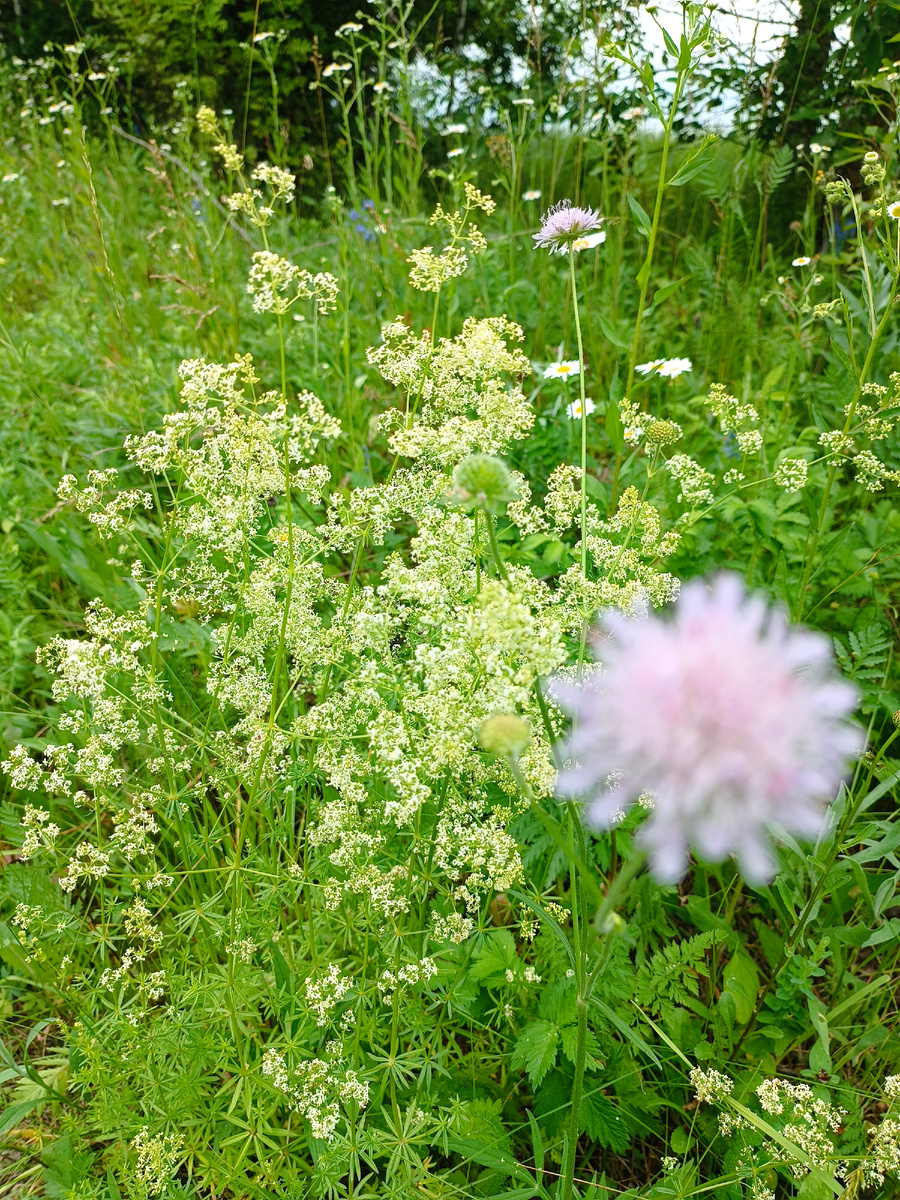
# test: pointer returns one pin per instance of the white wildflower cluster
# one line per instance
(809, 1122)
(111, 516)
(243, 949)
(735, 418)
(157, 1158)
(139, 926)
(316, 1089)
(408, 975)
(710, 1086)
(272, 278)
(248, 202)
(324, 994)
(459, 390)
(695, 480)
(791, 473)
(40, 832)
(230, 451)
(866, 423)
(88, 863)
(134, 829)
(431, 271)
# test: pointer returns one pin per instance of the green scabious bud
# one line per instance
(482, 481)
(505, 735)
(662, 433)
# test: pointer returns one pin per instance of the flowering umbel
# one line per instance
(564, 224)
(734, 721)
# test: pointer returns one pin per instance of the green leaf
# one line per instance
(480, 1152)
(640, 216)
(494, 957)
(742, 982)
(661, 295)
(283, 979)
(600, 1120)
(14, 1113)
(614, 429)
(610, 332)
(535, 1050)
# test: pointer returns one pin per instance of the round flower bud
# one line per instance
(482, 481)
(505, 735)
(661, 433)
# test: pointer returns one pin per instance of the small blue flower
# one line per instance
(369, 205)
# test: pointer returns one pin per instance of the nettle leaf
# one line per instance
(600, 1120)
(557, 1003)
(535, 1050)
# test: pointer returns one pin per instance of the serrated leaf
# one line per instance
(535, 1050)
(495, 956)
(601, 1121)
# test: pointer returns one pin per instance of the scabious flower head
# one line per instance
(483, 481)
(564, 224)
(505, 734)
(734, 721)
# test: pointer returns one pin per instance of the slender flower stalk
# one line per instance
(584, 410)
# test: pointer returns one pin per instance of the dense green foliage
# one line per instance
(299, 857)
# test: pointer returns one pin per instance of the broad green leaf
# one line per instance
(610, 332)
(535, 1050)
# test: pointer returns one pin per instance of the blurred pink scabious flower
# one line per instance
(732, 720)
(563, 224)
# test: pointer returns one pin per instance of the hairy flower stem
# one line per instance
(813, 544)
(495, 549)
(574, 289)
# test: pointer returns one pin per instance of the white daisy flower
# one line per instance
(671, 368)
(802, 261)
(532, 195)
(589, 241)
(573, 410)
(562, 370)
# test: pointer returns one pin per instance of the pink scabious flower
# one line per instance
(732, 720)
(564, 224)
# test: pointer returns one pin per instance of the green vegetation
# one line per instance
(298, 519)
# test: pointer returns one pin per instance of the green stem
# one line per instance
(574, 289)
(495, 549)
